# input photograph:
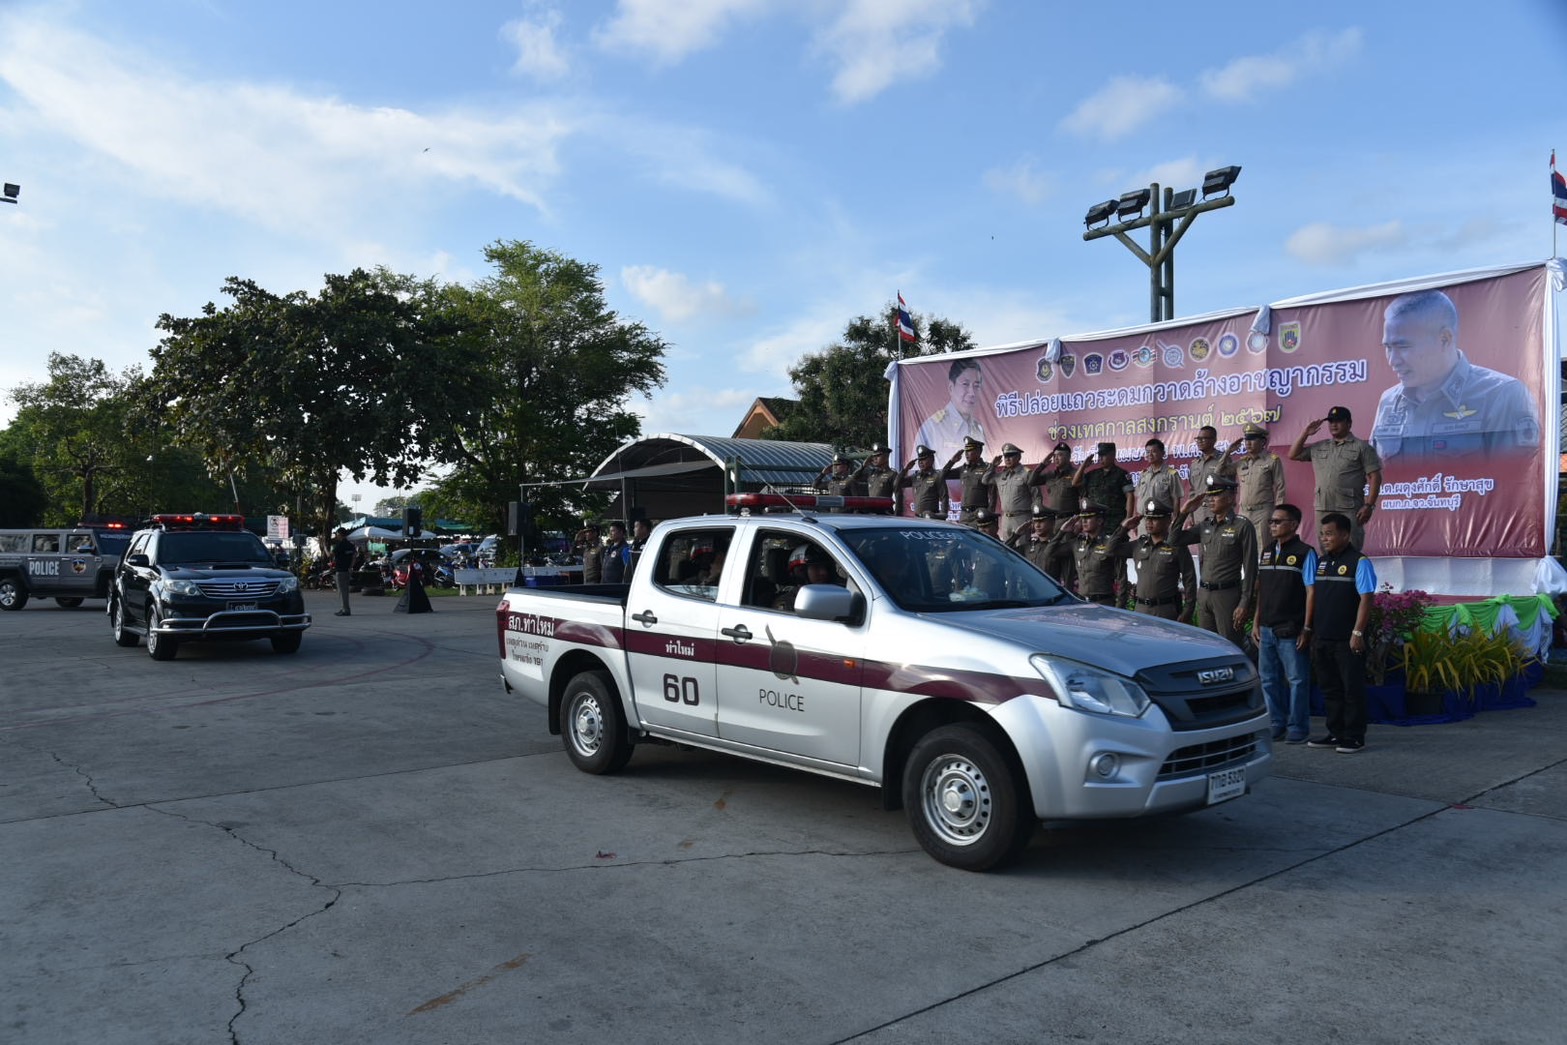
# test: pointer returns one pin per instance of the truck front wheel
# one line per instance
(13, 594)
(592, 725)
(964, 800)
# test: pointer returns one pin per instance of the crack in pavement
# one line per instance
(234, 957)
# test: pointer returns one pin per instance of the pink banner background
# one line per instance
(1171, 381)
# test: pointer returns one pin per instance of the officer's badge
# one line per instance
(1290, 561)
(1461, 413)
(1289, 336)
(1343, 570)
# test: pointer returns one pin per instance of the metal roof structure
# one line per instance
(669, 473)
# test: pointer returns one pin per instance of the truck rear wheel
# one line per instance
(13, 594)
(593, 728)
(123, 636)
(964, 799)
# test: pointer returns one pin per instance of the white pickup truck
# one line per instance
(920, 657)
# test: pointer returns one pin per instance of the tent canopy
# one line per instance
(668, 474)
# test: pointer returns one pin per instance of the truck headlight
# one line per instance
(1083, 688)
(288, 584)
(171, 586)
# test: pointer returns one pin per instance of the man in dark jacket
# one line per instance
(343, 552)
(1287, 566)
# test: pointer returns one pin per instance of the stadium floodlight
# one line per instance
(1166, 225)
(11, 193)
(1218, 181)
(1132, 203)
(1100, 213)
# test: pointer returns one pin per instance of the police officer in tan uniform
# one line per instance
(1166, 575)
(1159, 481)
(973, 476)
(1014, 496)
(840, 482)
(1100, 557)
(1348, 470)
(1053, 477)
(1229, 559)
(928, 485)
(874, 477)
(1260, 475)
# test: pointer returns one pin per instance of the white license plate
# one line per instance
(1225, 785)
(242, 605)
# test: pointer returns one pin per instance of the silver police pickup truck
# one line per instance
(66, 564)
(920, 657)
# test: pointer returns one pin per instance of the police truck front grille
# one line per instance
(1205, 758)
(238, 589)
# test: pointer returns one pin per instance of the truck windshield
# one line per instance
(950, 568)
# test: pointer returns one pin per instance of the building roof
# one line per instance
(671, 461)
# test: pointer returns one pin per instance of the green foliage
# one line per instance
(1436, 662)
(308, 385)
(22, 496)
(558, 369)
(842, 391)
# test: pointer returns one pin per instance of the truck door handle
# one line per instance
(740, 633)
(645, 617)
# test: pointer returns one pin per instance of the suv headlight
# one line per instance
(170, 586)
(287, 584)
(1083, 688)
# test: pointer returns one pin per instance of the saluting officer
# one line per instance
(840, 482)
(974, 476)
(874, 477)
(1053, 476)
(1100, 557)
(1166, 575)
(1014, 496)
(1229, 558)
(929, 485)
(1261, 477)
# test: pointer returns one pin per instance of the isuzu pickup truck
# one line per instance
(917, 656)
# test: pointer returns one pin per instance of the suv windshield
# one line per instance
(950, 568)
(177, 548)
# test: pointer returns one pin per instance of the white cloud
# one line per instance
(1324, 244)
(1243, 79)
(876, 43)
(669, 30)
(273, 156)
(684, 158)
(1122, 106)
(1022, 180)
(674, 296)
(539, 53)
(1179, 174)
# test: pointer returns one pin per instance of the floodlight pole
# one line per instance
(1166, 225)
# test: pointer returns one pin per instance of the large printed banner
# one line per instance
(1448, 382)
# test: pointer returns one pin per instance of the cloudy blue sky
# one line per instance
(749, 175)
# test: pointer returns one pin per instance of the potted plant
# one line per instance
(1395, 617)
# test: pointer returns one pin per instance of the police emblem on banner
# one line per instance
(1257, 343)
(1045, 370)
(1093, 364)
(1119, 360)
(1200, 349)
(1229, 344)
(1174, 356)
(1144, 356)
(1066, 364)
(1289, 336)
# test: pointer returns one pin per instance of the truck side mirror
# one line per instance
(825, 602)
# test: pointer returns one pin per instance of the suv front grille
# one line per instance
(1205, 758)
(238, 589)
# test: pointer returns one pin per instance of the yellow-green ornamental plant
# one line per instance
(1436, 662)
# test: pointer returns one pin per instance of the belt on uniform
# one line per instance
(1226, 586)
(1171, 601)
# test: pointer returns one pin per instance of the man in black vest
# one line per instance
(1338, 604)
(1287, 566)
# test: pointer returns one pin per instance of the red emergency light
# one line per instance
(797, 501)
(199, 521)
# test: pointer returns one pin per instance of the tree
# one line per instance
(559, 368)
(22, 496)
(310, 385)
(842, 389)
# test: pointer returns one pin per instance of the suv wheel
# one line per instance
(122, 635)
(13, 594)
(159, 647)
(286, 643)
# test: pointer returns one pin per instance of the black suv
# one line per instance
(203, 577)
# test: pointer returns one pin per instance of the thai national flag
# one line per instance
(1558, 192)
(906, 322)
